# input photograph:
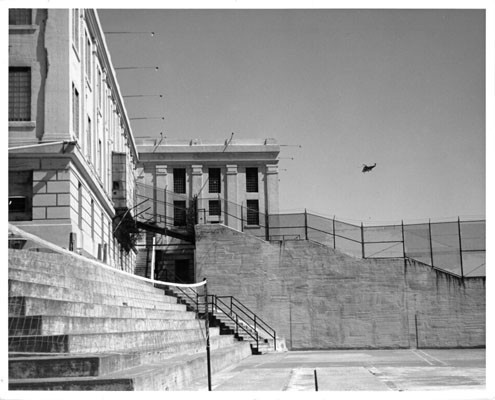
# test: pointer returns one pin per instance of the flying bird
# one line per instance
(368, 168)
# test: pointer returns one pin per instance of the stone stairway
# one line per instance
(228, 325)
(76, 325)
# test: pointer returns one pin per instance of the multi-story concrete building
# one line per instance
(72, 155)
(233, 182)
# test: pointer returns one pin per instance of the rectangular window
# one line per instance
(252, 180)
(179, 213)
(252, 212)
(88, 57)
(75, 111)
(88, 139)
(20, 195)
(214, 207)
(98, 87)
(75, 28)
(79, 205)
(20, 16)
(19, 94)
(98, 158)
(214, 180)
(179, 180)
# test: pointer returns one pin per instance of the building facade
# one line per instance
(234, 183)
(72, 155)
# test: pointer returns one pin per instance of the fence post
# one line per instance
(306, 224)
(460, 245)
(208, 362)
(242, 220)
(267, 226)
(333, 226)
(431, 242)
(362, 240)
(403, 240)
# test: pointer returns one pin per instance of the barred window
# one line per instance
(252, 180)
(214, 207)
(179, 180)
(179, 213)
(75, 111)
(252, 215)
(19, 94)
(75, 28)
(88, 140)
(214, 180)
(20, 16)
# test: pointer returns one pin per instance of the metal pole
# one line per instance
(362, 240)
(306, 223)
(153, 241)
(431, 242)
(208, 361)
(333, 232)
(316, 381)
(267, 225)
(460, 245)
(403, 241)
(242, 220)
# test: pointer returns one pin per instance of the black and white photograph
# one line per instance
(244, 197)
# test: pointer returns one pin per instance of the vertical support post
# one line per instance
(333, 227)
(362, 241)
(316, 381)
(403, 240)
(267, 225)
(431, 242)
(207, 322)
(306, 224)
(460, 246)
(152, 275)
(416, 325)
(242, 219)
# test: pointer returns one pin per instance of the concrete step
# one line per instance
(86, 272)
(25, 306)
(85, 295)
(58, 366)
(104, 342)
(170, 374)
(105, 287)
(57, 325)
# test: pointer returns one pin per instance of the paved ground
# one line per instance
(354, 370)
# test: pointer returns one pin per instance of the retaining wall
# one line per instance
(319, 298)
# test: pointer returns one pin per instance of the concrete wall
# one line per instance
(317, 297)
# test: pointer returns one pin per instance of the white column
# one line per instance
(233, 212)
(272, 188)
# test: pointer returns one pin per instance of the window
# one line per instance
(252, 215)
(75, 111)
(88, 139)
(19, 94)
(98, 158)
(20, 16)
(214, 180)
(252, 180)
(20, 195)
(75, 28)
(214, 207)
(179, 180)
(98, 88)
(79, 205)
(88, 57)
(179, 213)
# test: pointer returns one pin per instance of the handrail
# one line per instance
(255, 319)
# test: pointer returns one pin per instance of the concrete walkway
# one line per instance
(354, 370)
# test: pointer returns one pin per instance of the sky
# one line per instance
(404, 89)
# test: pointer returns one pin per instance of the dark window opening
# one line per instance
(20, 16)
(214, 207)
(252, 214)
(214, 180)
(252, 180)
(20, 195)
(179, 213)
(179, 180)
(19, 94)
(182, 271)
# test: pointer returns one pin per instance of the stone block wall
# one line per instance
(319, 298)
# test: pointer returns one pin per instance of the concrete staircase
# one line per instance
(76, 325)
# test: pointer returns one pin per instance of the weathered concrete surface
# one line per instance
(355, 370)
(319, 298)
